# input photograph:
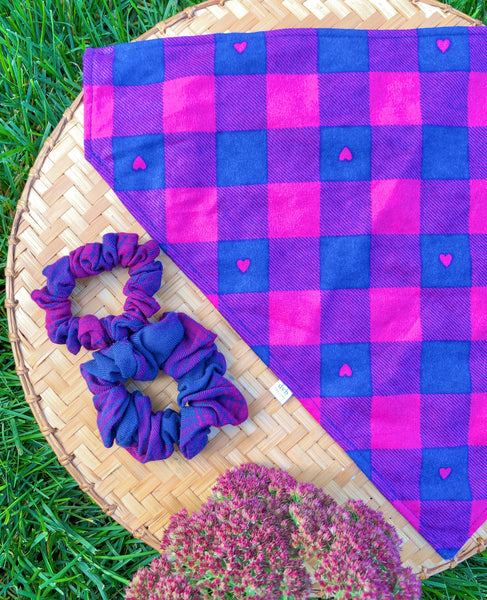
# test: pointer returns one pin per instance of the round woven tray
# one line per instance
(65, 204)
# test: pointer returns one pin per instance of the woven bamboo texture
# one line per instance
(66, 204)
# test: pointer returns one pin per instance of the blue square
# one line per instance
(445, 368)
(445, 260)
(444, 474)
(362, 459)
(150, 148)
(248, 56)
(243, 266)
(262, 352)
(345, 262)
(345, 153)
(241, 157)
(340, 51)
(445, 152)
(443, 49)
(345, 370)
(139, 63)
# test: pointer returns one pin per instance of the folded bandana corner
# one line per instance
(326, 189)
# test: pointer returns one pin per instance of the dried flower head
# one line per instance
(254, 534)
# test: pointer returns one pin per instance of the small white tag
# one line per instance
(280, 392)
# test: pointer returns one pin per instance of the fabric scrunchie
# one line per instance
(186, 351)
(145, 275)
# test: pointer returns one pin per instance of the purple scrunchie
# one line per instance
(186, 351)
(145, 275)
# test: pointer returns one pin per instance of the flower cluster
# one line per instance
(255, 535)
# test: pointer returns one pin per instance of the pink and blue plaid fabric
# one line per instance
(327, 191)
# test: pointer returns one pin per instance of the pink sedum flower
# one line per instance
(253, 535)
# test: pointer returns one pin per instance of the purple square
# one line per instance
(102, 60)
(240, 102)
(445, 419)
(252, 309)
(350, 417)
(148, 207)
(478, 366)
(235, 221)
(293, 154)
(478, 49)
(99, 152)
(478, 252)
(389, 465)
(393, 51)
(342, 200)
(445, 524)
(294, 264)
(396, 152)
(343, 98)
(395, 368)
(137, 110)
(188, 55)
(282, 362)
(291, 52)
(347, 316)
(477, 140)
(199, 261)
(443, 206)
(444, 98)
(445, 313)
(395, 260)
(477, 469)
(190, 159)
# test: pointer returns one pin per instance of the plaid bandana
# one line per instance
(326, 189)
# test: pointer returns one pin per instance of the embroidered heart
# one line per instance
(139, 163)
(444, 472)
(345, 371)
(240, 47)
(345, 154)
(243, 265)
(443, 45)
(446, 259)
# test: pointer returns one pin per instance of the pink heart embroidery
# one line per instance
(443, 45)
(240, 47)
(345, 154)
(345, 371)
(243, 265)
(139, 163)
(446, 259)
(445, 472)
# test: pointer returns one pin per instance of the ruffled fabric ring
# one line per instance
(145, 275)
(186, 351)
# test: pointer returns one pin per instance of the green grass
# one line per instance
(55, 542)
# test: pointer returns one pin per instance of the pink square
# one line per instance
(477, 431)
(101, 117)
(189, 104)
(409, 509)
(395, 422)
(478, 313)
(191, 215)
(395, 205)
(478, 206)
(292, 101)
(477, 99)
(294, 209)
(395, 314)
(394, 99)
(294, 317)
(478, 509)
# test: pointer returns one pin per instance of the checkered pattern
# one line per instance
(327, 191)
